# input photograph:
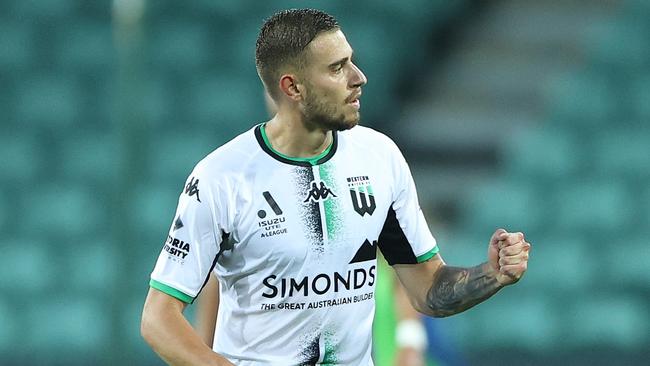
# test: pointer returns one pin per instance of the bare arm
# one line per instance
(439, 290)
(206, 311)
(171, 336)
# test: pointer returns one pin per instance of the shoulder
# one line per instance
(364, 133)
(228, 158)
(371, 140)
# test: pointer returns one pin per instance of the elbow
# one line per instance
(147, 328)
(434, 312)
(441, 313)
(436, 308)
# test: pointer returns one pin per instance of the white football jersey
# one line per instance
(294, 245)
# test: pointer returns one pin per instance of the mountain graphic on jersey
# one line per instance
(311, 353)
(367, 252)
(178, 223)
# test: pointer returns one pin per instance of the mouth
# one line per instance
(353, 100)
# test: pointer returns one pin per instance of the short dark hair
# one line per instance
(283, 38)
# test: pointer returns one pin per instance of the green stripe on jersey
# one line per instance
(171, 291)
(428, 255)
(333, 216)
(331, 357)
(313, 160)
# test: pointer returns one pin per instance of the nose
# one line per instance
(357, 78)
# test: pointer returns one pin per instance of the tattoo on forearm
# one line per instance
(458, 289)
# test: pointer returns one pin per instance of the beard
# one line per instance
(327, 115)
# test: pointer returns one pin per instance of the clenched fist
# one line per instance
(508, 256)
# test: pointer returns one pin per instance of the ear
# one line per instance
(290, 87)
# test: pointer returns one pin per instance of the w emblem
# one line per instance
(363, 200)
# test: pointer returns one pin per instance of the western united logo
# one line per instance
(271, 226)
(363, 199)
(319, 192)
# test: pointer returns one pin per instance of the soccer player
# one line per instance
(289, 217)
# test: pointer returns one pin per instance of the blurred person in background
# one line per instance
(282, 185)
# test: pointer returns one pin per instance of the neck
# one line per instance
(289, 135)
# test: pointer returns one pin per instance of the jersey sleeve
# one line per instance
(193, 243)
(405, 237)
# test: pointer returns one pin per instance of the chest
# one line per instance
(328, 214)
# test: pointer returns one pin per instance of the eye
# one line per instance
(338, 69)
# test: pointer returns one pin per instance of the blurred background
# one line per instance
(531, 115)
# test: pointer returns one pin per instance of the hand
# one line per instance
(508, 256)
(409, 356)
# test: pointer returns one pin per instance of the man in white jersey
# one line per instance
(289, 217)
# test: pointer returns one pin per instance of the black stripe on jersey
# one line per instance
(393, 243)
(324, 159)
(310, 210)
(310, 354)
(224, 237)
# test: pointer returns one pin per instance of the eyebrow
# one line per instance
(341, 61)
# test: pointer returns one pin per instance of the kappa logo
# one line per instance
(192, 188)
(363, 199)
(318, 193)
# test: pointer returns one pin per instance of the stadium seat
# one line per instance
(26, 268)
(619, 46)
(53, 100)
(23, 157)
(525, 318)
(9, 320)
(623, 153)
(85, 47)
(644, 212)
(4, 211)
(17, 50)
(514, 205)
(614, 319)
(228, 104)
(628, 268)
(52, 10)
(173, 155)
(153, 208)
(89, 157)
(593, 206)
(553, 264)
(181, 46)
(96, 266)
(466, 249)
(158, 101)
(60, 325)
(63, 209)
(582, 100)
(543, 154)
(640, 89)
